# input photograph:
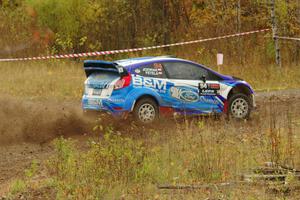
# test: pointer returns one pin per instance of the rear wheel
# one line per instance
(146, 111)
(239, 106)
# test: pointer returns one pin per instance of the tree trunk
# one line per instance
(274, 28)
(239, 25)
(166, 24)
(298, 45)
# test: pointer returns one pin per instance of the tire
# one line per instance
(240, 106)
(146, 111)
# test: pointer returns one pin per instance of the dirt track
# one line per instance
(28, 126)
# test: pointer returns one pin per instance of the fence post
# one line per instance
(220, 60)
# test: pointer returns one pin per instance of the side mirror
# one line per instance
(203, 78)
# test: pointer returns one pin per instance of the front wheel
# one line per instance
(239, 106)
(146, 111)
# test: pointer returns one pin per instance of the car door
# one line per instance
(196, 95)
(153, 76)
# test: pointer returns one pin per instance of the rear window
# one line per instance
(104, 75)
(154, 70)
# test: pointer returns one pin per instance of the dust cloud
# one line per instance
(39, 121)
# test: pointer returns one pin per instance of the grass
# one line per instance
(266, 78)
(129, 163)
(64, 79)
(57, 79)
(17, 187)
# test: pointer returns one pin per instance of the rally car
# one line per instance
(151, 87)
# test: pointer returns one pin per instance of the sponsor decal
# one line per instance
(137, 71)
(157, 66)
(140, 81)
(215, 86)
(184, 94)
(96, 84)
(208, 100)
(120, 69)
(189, 95)
(94, 102)
(151, 71)
(97, 92)
(117, 100)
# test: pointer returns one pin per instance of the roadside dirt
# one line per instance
(27, 128)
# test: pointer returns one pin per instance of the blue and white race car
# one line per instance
(150, 87)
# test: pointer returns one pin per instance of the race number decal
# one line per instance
(209, 88)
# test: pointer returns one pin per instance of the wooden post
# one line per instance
(274, 28)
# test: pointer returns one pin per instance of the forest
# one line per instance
(38, 27)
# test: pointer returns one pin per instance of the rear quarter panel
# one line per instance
(143, 86)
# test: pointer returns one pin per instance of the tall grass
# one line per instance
(267, 77)
(43, 80)
(197, 151)
(64, 79)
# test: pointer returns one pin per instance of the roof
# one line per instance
(133, 61)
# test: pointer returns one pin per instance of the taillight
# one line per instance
(123, 82)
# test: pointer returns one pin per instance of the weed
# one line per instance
(29, 173)
(18, 186)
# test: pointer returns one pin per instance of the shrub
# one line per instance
(108, 163)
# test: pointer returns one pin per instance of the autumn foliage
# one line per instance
(35, 27)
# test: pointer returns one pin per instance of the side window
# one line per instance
(180, 70)
(154, 70)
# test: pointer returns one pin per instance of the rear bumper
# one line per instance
(113, 107)
(92, 103)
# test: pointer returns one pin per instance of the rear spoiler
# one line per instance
(91, 66)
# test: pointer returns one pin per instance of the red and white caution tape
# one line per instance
(100, 53)
(288, 38)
